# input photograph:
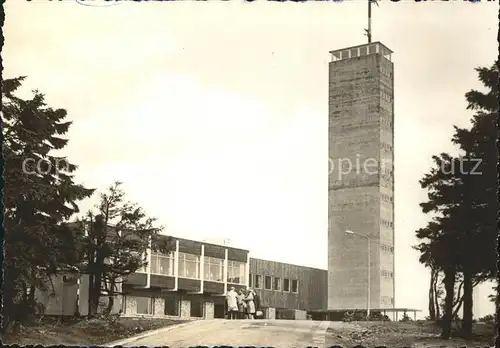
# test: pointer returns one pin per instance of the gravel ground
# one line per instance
(85, 332)
(397, 334)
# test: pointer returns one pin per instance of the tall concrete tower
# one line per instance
(361, 178)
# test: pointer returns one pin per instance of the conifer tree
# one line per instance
(117, 237)
(462, 196)
(39, 197)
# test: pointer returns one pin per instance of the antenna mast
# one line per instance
(369, 30)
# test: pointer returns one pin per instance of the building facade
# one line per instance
(289, 290)
(192, 281)
(361, 178)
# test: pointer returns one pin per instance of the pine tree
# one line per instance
(116, 240)
(462, 196)
(40, 197)
(479, 145)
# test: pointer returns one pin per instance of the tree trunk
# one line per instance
(497, 312)
(110, 288)
(95, 285)
(436, 296)
(467, 313)
(111, 302)
(93, 297)
(432, 307)
(459, 301)
(8, 298)
(449, 286)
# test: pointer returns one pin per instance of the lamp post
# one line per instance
(369, 269)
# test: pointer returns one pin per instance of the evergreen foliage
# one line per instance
(458, 243)
(39, 196)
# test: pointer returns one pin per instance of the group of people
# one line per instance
(244, 304)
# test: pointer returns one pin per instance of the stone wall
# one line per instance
(185, 309)
(159, 307)
(130, 305)
(209, 310)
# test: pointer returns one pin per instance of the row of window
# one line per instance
(346, 103)
(386, 122)
(145, 305)
(360, 142)
(386, 223)
(354, 126)
(189, 267)
(357, 203)
(363, 80)
(387, 300)
(351, 72)
(385, 183)
(357, 52)
(356, 182)
(385, 146)
(385, 96)
(348, 95)
(385, 170)
(387, 274)
(274, 283)
(385, 71)
(386, 198)
(387, 248)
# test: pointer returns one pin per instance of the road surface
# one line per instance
(238, 333)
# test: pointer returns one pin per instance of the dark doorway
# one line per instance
(172, 305)
(197, 307)
(219, 310)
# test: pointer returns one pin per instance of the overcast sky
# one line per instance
(215, 115)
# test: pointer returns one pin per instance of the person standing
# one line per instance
(242, 306)
(232, 303)
(256, 300)
(250, 304)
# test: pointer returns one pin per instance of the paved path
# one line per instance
(237, 333)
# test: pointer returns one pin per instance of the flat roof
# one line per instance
(201, 242)
(363, 45)
(290, 264)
